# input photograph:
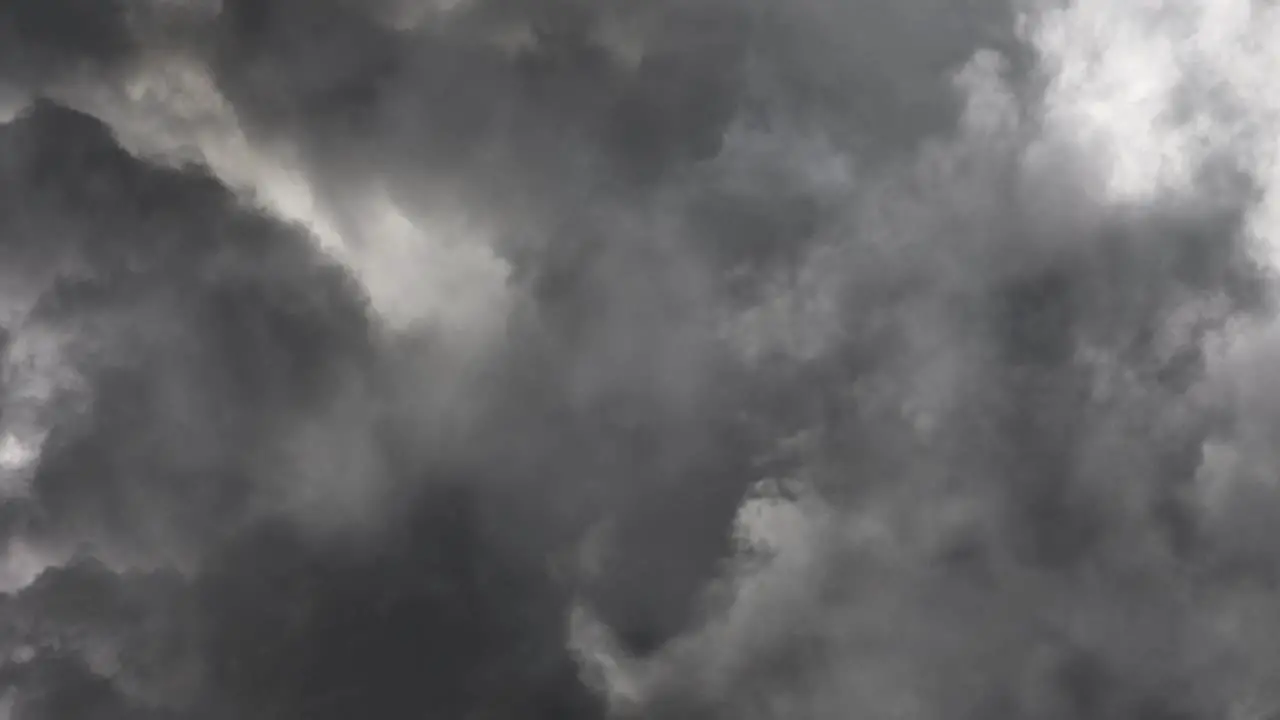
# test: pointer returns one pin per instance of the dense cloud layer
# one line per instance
(564, 359)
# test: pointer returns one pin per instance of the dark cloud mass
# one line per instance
(556, 359)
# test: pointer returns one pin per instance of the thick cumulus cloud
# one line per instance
(565, 359)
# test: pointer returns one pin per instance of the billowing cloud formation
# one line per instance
(564, 359)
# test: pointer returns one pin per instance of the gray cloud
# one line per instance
(583, 360)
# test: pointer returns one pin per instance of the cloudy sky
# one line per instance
(620, 360)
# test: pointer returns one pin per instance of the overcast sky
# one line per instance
(669, 360)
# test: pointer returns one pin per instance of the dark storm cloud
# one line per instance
(561, 141)
(525, 83)
(196, 322)
(44, 37)
(204, 332)
(412, 358)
